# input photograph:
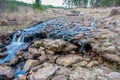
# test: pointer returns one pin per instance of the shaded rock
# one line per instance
(2, 55)
(6, 71)
(27, 55)
(44, 73)
(13, 61)
(59, 77)
(114, 12)
(4, 22)
(43, 58)
(112, 57)
(21, 77)
(1, 45)
(63, 71)
(29, 64)
(68, 60)
(19, 53)
(2, 49)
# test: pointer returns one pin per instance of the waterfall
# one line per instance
(14, 38)
(89, 3)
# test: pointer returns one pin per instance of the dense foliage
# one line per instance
(38, 5)
(91, 3)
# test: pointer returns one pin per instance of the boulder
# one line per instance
(30, 63)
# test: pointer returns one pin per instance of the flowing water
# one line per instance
(89, 4)
(54, 28)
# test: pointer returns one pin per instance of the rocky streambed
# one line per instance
(66, 48)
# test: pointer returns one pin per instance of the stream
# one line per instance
(54, 28)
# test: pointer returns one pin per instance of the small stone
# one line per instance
(92, 63)
(21, 77)
(106, 44)
(91, 40)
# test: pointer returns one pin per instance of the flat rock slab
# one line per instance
(54, 45)
(96, 73)
(68, 60)
(44, 73)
